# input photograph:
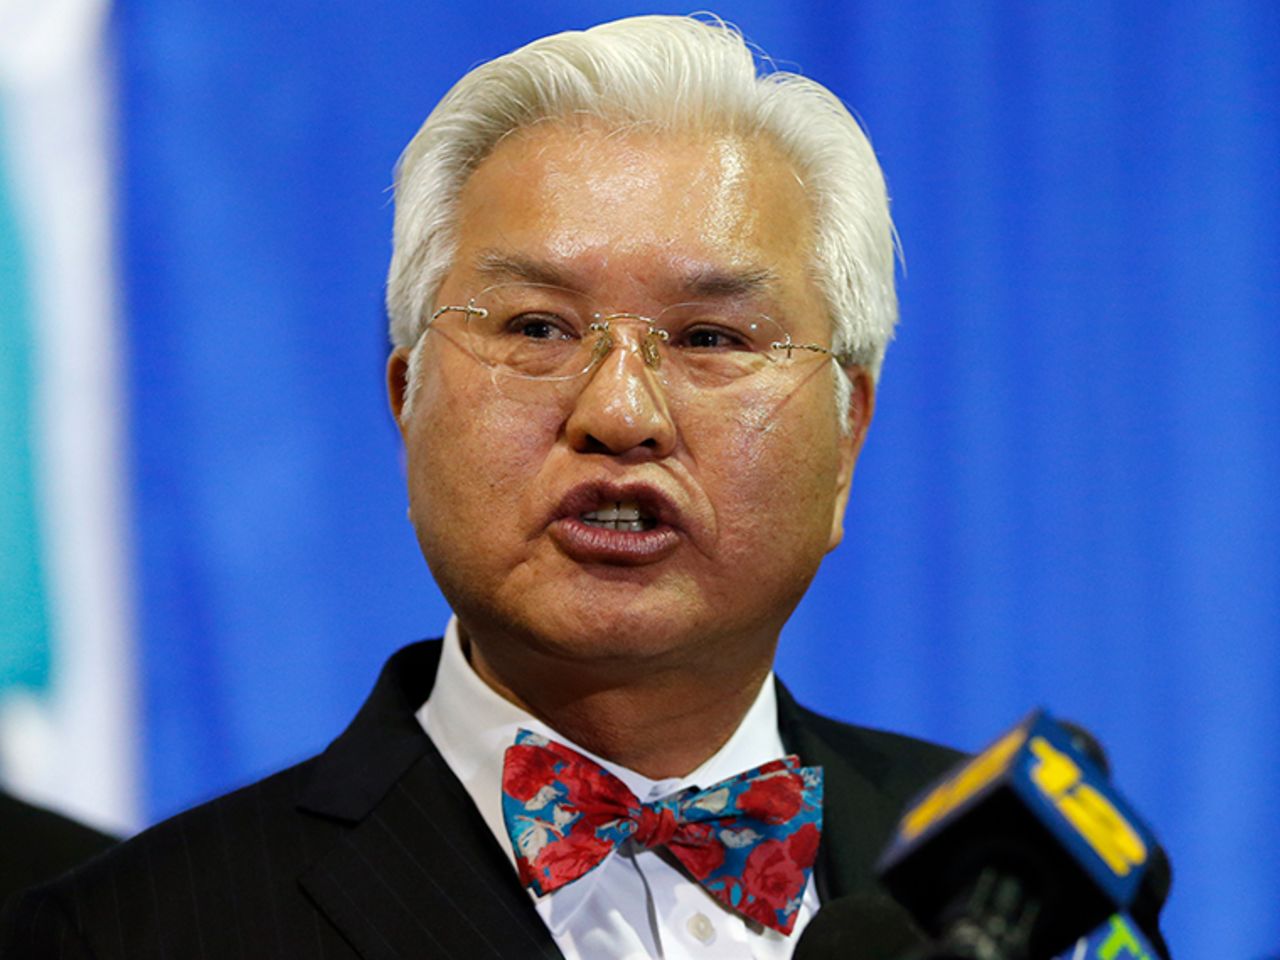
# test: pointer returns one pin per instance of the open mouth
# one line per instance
(616, 524)
(625, 516)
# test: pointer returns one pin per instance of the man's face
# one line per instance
(742, 494)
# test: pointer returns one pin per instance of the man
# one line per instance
(639, 300)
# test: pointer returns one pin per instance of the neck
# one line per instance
(659, 720)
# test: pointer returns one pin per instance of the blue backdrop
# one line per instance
(1069, 496)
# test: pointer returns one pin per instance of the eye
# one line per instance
(708, 337)
(537, 325)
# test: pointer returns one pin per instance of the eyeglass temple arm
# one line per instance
(790, 345)
(471, 310)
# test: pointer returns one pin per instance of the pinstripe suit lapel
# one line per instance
(418, 874)
(421, 876)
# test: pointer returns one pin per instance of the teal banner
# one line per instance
(24, 618)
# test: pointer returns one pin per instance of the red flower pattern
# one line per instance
(593, 789)
(775, 799)
(527, 770)
(762, 913)
(772, 876)
(567, 859)
(802, 846)
(699, 850)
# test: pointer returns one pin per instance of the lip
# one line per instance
(587, 543)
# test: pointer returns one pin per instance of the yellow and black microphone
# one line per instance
(1023, 850)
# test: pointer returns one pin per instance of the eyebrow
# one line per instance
(498, 267)
(713, 283)
(732, 284)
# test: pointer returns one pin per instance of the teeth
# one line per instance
(620, 515)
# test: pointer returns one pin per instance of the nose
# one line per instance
(623, 408)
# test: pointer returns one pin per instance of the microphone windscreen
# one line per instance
(1150, 899)
(865, 926)
(1087, 744)
(1158, 878)
(1029, 839)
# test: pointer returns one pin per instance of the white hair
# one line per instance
(674, 73)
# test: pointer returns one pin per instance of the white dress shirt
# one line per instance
(635, 905)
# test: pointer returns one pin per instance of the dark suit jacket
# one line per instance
(37, 845)
(374, 850)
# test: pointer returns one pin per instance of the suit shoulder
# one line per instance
(219, 828)
(213, 873)
(900, 745)
(40, 844)
(901, 764)
(225, 878)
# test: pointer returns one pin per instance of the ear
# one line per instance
(398, 383)
(862, 402)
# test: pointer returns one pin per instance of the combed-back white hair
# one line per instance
(669, 73)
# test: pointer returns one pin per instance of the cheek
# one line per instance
(777, 470)
(471, 454)
(773, 488)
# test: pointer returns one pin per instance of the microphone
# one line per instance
(1152, 892)
(1086, 743)
(863, 926)
(1021, 850)
(1119, 938)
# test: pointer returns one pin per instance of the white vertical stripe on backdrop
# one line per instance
(74, 747)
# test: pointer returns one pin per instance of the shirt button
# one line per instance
(701, 927)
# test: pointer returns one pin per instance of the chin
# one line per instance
(605, 635)
(643, 635)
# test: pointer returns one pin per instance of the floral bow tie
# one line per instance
(750, 841)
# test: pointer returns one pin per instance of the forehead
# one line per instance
(637, 210)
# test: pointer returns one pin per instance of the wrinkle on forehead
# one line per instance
(699, 282)
(566, 145)
(639, 210)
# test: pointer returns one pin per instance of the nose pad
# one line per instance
(623, 405)
(652, 357)
(601, 348)
(647, 338)
(642, 343)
